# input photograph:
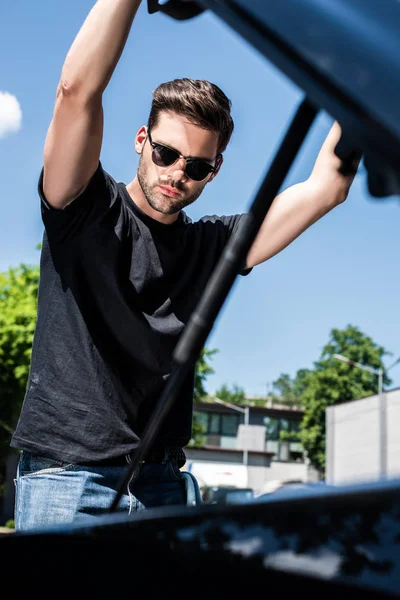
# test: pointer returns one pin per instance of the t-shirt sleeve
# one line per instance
(232, 225)
(99, 197)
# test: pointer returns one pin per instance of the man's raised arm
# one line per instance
(295, 209)
(73, 143)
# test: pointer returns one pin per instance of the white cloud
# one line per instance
(10, 114)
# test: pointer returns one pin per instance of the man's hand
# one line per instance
(326, 174)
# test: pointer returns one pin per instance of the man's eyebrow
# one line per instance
(207, 159)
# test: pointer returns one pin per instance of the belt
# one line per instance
(156, 456)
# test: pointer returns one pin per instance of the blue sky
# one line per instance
(343, 270)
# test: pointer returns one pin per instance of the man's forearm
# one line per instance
(291, 213)
(98, 46)
(301, 205)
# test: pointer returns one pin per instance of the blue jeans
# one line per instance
(50, 492)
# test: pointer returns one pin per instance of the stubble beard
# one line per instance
(159, 201)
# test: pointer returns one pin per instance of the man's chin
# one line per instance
(163, 207)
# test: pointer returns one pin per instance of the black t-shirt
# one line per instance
(116, 290)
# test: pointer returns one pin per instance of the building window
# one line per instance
(271, 428)
(284, 424)
(294, 426)
(229, 424)
(219, 423)
(202, 419)
(214, 424)
(283, 450)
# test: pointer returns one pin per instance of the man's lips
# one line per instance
(169, 191)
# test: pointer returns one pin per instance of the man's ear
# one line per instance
(140, 139)
(220, 160)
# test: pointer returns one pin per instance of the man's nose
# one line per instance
(179, 170)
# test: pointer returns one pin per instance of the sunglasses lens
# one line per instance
(163, 156)
(198, 169)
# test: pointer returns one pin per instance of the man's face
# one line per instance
(168, 189)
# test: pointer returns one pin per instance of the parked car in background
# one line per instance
(293, 488)
(227, 495)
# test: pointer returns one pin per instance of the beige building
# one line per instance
(243, 448)
(363, 439)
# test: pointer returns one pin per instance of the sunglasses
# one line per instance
(196, 168)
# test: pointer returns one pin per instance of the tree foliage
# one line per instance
(18, 304)
(233, 395)
(287, 391)
(203, 370)
(332, 381)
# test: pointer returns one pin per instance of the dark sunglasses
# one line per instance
(196, 168)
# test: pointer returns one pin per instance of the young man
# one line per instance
(122, 268)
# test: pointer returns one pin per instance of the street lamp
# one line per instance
(245, 411)
(392, 365)
(378, 372)
(382, 408)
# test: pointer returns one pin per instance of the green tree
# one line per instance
(18, 304)
(235, 395)
(288, 391)
(198, 438)
(332, 381)
(203, 370)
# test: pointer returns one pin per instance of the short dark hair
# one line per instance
(201, 102)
